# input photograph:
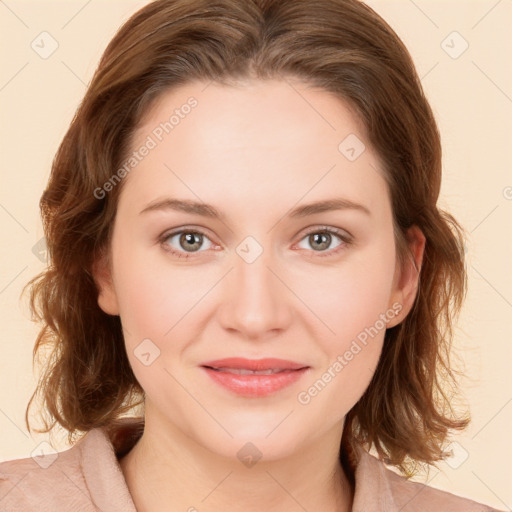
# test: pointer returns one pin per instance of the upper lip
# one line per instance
(270, 363)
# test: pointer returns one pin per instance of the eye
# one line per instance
(184, 243)
(321, 238)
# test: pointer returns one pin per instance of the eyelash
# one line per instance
(347, 240)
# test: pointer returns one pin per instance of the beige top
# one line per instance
(87, 477)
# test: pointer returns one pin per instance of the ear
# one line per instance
(407, 276)
(102, 274)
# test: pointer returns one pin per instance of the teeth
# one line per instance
(243, 371)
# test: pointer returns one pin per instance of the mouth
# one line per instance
(254, 377)
(268, 365)
(245, 371)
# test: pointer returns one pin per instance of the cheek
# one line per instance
(351, 358)
(151, 295)
(350, 296)
(353, 301)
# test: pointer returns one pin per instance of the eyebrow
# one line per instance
(207, 210)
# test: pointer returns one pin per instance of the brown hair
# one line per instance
(341, 46)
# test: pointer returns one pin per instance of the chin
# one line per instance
(252, 449)
(265, 438)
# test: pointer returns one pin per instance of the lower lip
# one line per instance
(255, 385)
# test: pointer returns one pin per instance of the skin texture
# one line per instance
(254, 151)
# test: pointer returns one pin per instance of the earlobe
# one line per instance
(107, 298)
(407, 278)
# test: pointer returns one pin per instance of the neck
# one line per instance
(169, 471)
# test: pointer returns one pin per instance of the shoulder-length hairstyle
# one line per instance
(341, 46)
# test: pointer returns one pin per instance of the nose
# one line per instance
(256, 302)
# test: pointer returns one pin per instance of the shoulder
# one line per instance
(386, 490)
(45, 482)
(51, 481)
(84, 478)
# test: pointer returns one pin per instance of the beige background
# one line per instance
(472, 97)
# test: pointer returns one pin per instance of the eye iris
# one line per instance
(191, 238)
(318, 237)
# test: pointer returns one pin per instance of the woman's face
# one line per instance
(264, 278)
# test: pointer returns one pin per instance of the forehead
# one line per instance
(270, 141)
(266, 113)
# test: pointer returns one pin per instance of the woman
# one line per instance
(244, 240)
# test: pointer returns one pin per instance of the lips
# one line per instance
(264, 366)
(254, 377)
(244, 371)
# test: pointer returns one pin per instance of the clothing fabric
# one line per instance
(88, 478)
